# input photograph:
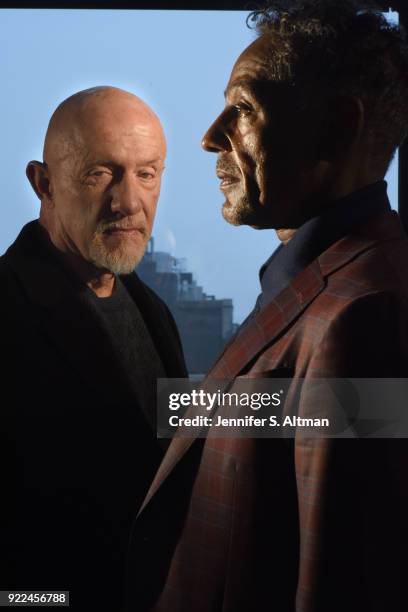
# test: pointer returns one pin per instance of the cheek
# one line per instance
(81, 216)
(66, 211)
(150, 200)
(151, 209)
(262, 170)
(251, 157)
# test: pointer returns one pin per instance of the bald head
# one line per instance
(104, 155)
(92, 110)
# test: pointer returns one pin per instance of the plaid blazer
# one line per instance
(305, 525)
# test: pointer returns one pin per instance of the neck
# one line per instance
(103, 284)
(100, 281)
(337, 192)
(285, 235)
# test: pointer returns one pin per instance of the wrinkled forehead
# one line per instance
(112, 134)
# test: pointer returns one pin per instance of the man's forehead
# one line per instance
(147, 152)
(252, 65)
(110, 147)
(239, 83)
(120, 133)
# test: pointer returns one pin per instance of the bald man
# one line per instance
(85, 341)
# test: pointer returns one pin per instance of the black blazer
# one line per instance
(76, 455)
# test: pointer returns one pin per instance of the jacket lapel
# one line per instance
(268, 323)
(160, 325)
(252, 339)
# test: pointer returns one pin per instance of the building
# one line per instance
(205, 323)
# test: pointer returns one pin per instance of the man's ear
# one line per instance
(38, 175)
(344, 127)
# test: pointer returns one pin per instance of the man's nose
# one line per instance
(126, 195)
(216, 139)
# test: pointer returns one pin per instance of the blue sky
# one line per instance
(179, 62)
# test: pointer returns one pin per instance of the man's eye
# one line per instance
(242, 109)
(146, 175)
(99, 172)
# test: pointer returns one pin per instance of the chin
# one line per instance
(117, 261)
(230, 215)
(242, 212)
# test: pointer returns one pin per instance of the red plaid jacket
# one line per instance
(305, 525)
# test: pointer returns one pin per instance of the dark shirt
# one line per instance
(131, 342)
(318, 234)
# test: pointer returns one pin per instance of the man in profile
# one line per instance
(83, 341)
(315, 109)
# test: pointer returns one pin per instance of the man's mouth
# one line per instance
(124, 231)
(226, 179)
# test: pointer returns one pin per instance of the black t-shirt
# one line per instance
(130, 339)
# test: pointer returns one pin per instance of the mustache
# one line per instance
(123, 224)
(227, 166)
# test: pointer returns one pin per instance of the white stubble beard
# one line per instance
(117, 260)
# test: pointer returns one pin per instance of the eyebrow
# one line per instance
(238, 83)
